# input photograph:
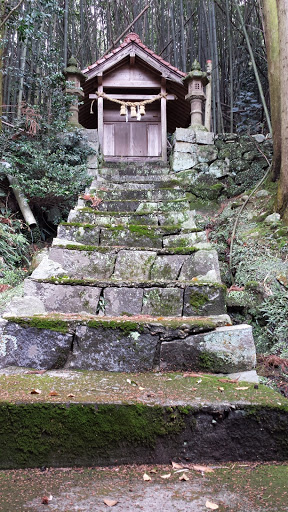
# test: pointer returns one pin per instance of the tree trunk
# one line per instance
(282, 197)
(270, 19)
(22, 73)
(2, 30)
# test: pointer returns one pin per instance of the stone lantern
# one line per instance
(75, 77)
(196, 81)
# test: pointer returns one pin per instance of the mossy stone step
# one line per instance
(156, 179)
(104, 263)
(94, 217)
(126, 343)
(133, 169)
(142, 183)
(127, 292)
(169, 194)
(133, 205)
(100, 419)
(131, 235)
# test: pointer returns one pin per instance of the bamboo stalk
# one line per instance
(254, 68)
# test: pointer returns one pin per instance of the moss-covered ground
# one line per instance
(166, 389)
(232, 487)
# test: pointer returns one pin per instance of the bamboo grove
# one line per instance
(39, 35)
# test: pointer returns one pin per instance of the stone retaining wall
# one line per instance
(213, 167)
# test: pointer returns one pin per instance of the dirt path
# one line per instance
(231, 487)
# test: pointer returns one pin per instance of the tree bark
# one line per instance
(271, 31)
(282, 196)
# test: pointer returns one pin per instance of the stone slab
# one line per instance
(22, 306)
(161, 418)
(134, 236)
(245, 376)
(34, 348)
(167, 267)
(84, 264)
(48, 268)
(219, 169)
(207, 153)
(182, 161)
(80, 234)
(185, 147)
(204, 300)
(134, 265)
(184, 240)
(202, 265)
(64, 298)
(185, 135)
(162, 302)
(225, 350)
(203, 137)
(113, 350)
(123, 301)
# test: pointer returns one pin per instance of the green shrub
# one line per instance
(273, 336)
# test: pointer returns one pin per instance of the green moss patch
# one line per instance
(41, 322)
(39, 434)
(99, 418)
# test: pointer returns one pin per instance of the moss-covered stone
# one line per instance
(42, 322)
(34, 435)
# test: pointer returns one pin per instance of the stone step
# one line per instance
(146, 184)
(125, 193)
(133, 296)
(135, 168)
(147, 206)
(126, 344)
(90, 216)
(103, 419)
(182, 264)
(157, 179)
(131, 235)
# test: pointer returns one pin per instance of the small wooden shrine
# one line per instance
(134, 97)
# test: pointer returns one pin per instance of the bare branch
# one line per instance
(9, 13)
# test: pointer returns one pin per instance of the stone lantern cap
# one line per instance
(196, 74)
(72, 69)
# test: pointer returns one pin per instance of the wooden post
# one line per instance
(163, 120)
(208, 97)
(100, 113)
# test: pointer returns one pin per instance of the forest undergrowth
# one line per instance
(256, 276)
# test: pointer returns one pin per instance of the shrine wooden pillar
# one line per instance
(100, 110)
(163, 120)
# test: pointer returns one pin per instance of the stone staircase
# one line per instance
(130, 284)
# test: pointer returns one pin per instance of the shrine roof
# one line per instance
(132, 39)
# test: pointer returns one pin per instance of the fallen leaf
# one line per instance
(203, 469)
(175, 465)
(35, 392)
(165, 476)
(45, 500)
(146, 477)
(242, 388)
(132, 382)
(153, 471)
(70, 395)
(235, 288)
(231, 381)
(53, 393)
(211, 505)
(184, 477)
(110, 503)
(221, 389)
(36, 372)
